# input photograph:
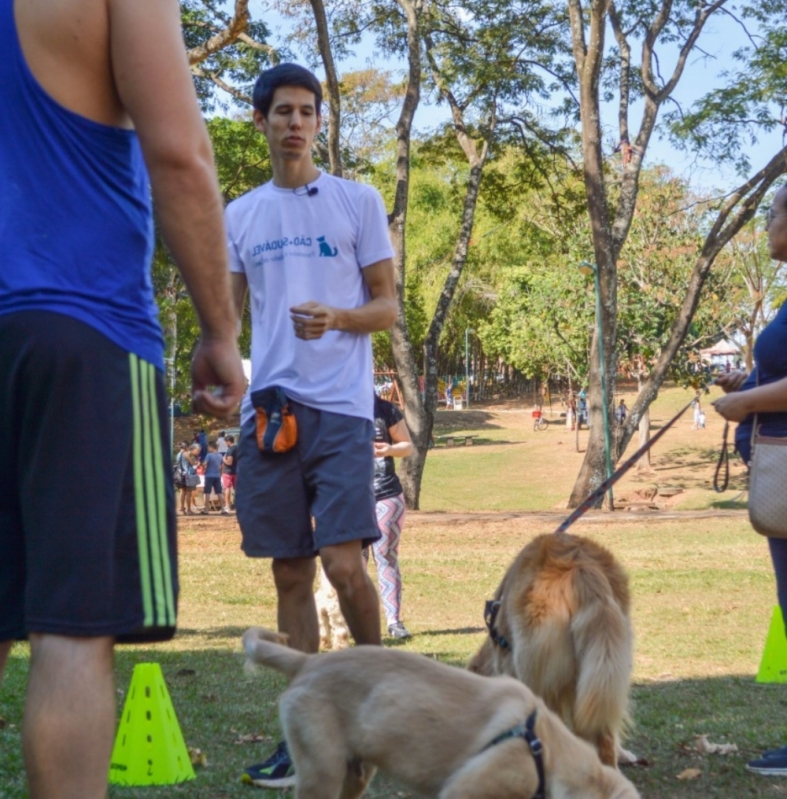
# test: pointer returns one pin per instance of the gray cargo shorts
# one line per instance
(327, 476)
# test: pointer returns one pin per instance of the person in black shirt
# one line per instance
(391, 440)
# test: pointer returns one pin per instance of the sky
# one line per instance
(721, 37)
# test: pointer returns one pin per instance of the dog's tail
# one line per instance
(603, 644)
(270, 648)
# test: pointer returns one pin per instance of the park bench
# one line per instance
(450, 439)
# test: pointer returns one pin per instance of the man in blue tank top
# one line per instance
(97, 108)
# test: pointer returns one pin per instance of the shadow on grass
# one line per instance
(730, 504)
(447, 421)
(458, 631)
(213, 632)
(477, 442)
(217, 705)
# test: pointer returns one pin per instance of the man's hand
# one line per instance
(217, 379)
(311, 320)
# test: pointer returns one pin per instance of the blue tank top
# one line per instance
(76, 232)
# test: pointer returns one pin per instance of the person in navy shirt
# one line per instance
(764, 393)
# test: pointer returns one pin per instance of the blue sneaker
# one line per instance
(771, 764)
(276, 772)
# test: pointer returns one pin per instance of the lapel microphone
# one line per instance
(307, 190)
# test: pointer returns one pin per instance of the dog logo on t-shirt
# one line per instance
(325, 248)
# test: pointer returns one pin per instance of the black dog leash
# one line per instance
(527, 732)
(724, 459)
(591, 500)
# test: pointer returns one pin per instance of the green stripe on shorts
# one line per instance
(150, 499)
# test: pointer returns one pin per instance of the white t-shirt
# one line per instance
(294, 248)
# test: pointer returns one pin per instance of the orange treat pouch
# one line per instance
(277, 430)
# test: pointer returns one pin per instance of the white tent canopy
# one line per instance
(724, 349)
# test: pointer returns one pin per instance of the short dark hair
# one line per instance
(284, 75)
(231, 439)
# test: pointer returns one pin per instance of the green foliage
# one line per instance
(241, 154)
(664, 242)
(752, 98)
(242, 163)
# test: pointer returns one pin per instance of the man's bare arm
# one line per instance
(155, 85)
(312, 320)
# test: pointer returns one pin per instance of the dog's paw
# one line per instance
(626, 758)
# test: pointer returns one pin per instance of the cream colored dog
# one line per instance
(431, 726)
(334, 632)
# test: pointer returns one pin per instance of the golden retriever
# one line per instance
(562, 627)
(432, 726)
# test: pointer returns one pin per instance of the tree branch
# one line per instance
(236, 93)
(236, 26)
(625, 73)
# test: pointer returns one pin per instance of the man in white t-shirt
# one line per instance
(314, 253)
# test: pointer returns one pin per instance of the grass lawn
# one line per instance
(702, 586)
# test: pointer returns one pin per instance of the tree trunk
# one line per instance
(411, 472)
(610, 225)
(334, 97)
(588, 58)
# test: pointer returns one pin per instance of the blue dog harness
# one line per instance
(527, 732)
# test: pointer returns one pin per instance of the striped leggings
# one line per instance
(390, 520)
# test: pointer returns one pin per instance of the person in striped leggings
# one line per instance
(391, 440)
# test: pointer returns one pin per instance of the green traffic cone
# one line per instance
(773, 666)
(149, 747)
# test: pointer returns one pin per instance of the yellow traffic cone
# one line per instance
(149, 747)
(773, 666)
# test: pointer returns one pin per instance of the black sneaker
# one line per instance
(772, 764)
(276, 772)
(398, 630)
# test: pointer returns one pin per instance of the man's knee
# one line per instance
(344, 566)
(294, 574)
(57, 650)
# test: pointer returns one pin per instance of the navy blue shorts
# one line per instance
(87, 522)
(327, 476)
(213, 483)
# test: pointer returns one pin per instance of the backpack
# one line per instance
(179, 472)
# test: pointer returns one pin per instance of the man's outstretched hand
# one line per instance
(217, 380)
